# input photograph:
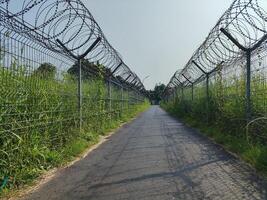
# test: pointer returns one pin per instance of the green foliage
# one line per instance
(89, 70)
(155, 95)
(39, 121)
(222, 116)
(46, 70)
(225, 105)
(255, 154)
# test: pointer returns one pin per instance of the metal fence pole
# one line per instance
(248, 67)
(135, 97)
(207, 96)
(122, 100)
(80, 93)
(207, 86)
(192, 91)
(128, 99)
(79, 62)
(248, 85)
(109, 98)
(182, 93)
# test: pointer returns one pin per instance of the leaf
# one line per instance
(17, 136)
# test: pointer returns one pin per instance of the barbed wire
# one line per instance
(245, 21)
(69, 21)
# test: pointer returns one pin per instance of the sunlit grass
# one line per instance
(224, 119)
(39, 122)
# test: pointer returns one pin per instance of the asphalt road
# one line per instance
(155, 157)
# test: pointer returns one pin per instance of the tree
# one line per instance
(155, 95)
(46, 70)
(89, 69)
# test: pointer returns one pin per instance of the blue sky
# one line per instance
(156, 37)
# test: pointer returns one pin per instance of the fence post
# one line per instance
(80, 93)
(128, 99)
(192, 85)
(207, 87)
(248, 85)
(79, 62)
(136, 97)
(109, 98)
(207, 96)
(122, 100)
(248, 67)
(182, 93)
(192, 92)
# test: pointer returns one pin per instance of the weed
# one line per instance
(39, 121)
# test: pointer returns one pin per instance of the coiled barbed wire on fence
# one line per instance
(69, 21)
(246, 21)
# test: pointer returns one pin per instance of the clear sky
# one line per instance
(156, 37)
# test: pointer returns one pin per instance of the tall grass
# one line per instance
(222, 116)
(39, 121)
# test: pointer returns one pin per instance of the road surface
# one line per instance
(155, 157)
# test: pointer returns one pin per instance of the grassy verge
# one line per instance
(39, 121)
(67, 153)
(253, 153)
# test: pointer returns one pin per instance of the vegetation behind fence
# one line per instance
(222, 88)
(61, 86)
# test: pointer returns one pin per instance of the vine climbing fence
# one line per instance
(58, 73)
(224, 82)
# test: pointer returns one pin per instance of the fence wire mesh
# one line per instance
(58, 73)
(224, 82)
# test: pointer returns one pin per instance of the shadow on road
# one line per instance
(156, 157)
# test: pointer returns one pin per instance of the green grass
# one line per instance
(255, 154)
(39, 122)
(224, 119)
